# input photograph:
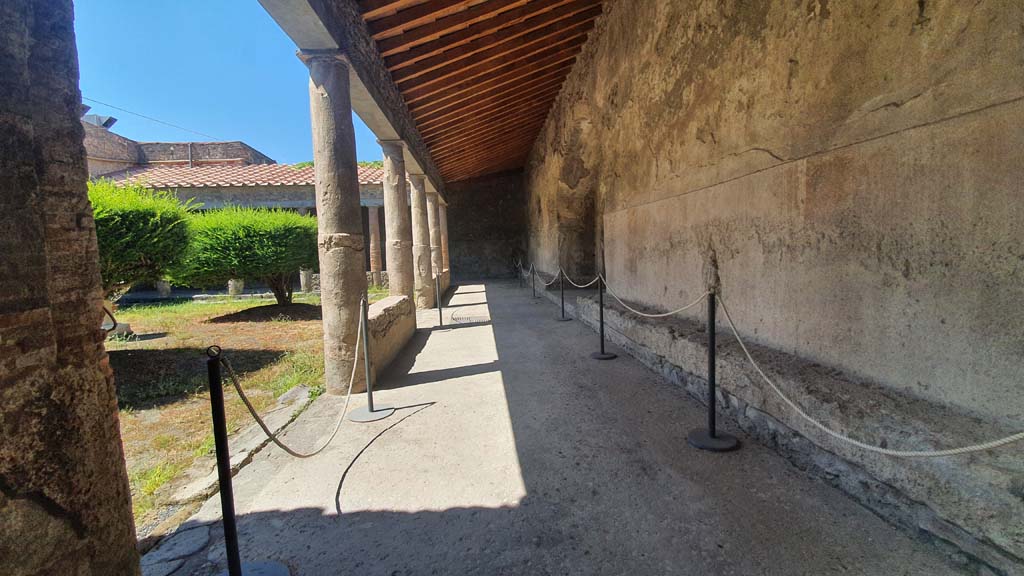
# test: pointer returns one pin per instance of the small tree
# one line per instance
(252, 244)
(141, 233)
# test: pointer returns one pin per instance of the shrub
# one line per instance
(249, 243)
(141, 233)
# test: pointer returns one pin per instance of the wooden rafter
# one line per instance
(479, 76)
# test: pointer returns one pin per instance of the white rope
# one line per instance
(899, 453)
(645, 314)
(553, 279)
(266, 430)
(587, 285)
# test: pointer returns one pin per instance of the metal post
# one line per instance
(520, 274)
(220, 442)
(369, 413)
(437, 291)
(602, 355)
(561, 294)
(710, 438)
(533, 281)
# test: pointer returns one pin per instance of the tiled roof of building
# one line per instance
(216, 175)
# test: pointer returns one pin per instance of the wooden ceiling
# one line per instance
(479, 76)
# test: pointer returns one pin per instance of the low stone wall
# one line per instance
(392, 323)
(315, 281)
(970, 505)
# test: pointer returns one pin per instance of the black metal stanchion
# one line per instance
(227, 495)
(533, 281)
(368, 413)
(561, 294)
(602, 355)
(710, 438)
(438, 296)
(520, 274)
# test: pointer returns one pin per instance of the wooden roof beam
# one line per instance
(502, 107)
(498, 44)
(541, 80)
(492, 13)
(417, 15)
(440, 145)
(498, 77)
(525, 18)
(497, 59)
(488, 141)
(374, 9)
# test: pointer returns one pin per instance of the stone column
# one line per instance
(339, 219)
(434, 222)
(397, 221)
(443, 212)
(305, 274)
(421, 242)
(374, 216)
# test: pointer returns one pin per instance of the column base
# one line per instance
(363, 414)
(604, 356)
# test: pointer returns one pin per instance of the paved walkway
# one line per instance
(515, 453)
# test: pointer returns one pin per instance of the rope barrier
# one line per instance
(878, 449)
(266, 429)
(553, 280)
(587, 285)
(645, 314)
(980, 447)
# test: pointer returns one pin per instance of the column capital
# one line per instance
(392, 147)
(310, 57)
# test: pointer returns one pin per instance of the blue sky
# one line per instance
(220, 67)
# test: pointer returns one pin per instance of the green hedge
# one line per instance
(249, 243)
(141, 233)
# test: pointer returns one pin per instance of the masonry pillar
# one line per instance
(434, 223)
(397, 221)
(442, 211)
(374, 216)
(65, 506)
(339, 219)
(421, 242)
(305, 274)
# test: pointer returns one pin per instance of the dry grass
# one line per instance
(161, 379)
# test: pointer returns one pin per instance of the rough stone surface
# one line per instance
(434, 225)
(339, 217)
(397, 222)
(422, 268)
(376, 264)
(854, 170)
(64, 500)
(515, 453)
(489, 219)
(392, 324)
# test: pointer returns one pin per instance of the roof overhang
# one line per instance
(318, 25)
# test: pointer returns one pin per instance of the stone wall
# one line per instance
(854, 169)
(64, 499)
(392, 324)
(486, 220)
(219, 152)
(108, 152)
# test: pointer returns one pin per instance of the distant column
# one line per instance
(421, 242)
(339, 220)
(305, 274)
(374, 215)
(434, 222)
(443, 212)
(397, 221)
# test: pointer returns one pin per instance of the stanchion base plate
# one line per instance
(603, 355)
(363, 414)
(262, 569)
(560, 319)
(721, 442)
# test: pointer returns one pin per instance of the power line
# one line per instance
(150, 118)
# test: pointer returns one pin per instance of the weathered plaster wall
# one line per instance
(486, 219)
(201, 151)
(64, 500)
(392, 324)
(854, 167)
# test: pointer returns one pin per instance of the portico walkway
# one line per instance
(515, 453)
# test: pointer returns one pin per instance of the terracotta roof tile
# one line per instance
(215, 175)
